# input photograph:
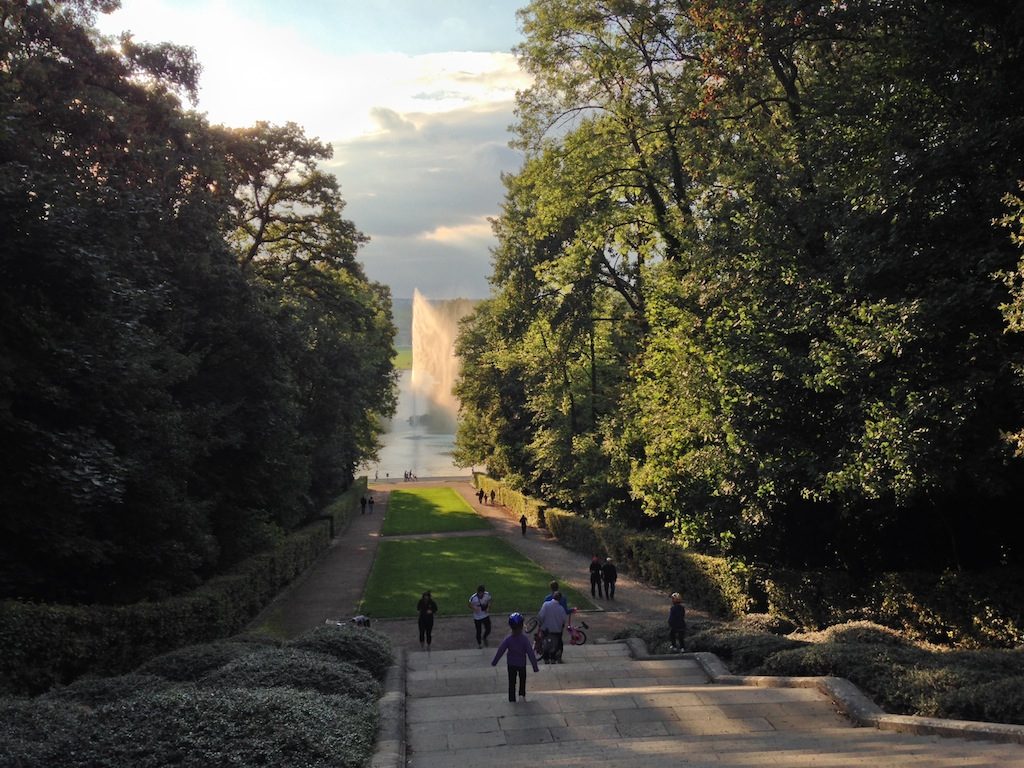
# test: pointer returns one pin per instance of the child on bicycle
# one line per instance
(519, 649)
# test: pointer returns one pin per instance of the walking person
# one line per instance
(551, 618)
(677, 622)
(522, 524)
(492, 497)
(369, 502)
(362, 505)
(608, 575)
(519, 649)
(480, 603)
(595, 577)
(427, 609)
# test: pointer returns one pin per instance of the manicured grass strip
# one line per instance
(403, 358)
(451, 568)
(430, 510)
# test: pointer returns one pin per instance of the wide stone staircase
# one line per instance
(604, 708)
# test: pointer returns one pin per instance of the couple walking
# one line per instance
(605, 574)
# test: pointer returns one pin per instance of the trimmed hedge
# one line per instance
(363, 647)
(46, 645)
(958, 609)
(513, 500)
(295, 668)
(192, 727)
(720, 586)
(186, 665)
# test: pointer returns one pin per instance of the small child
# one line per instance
(676, 622)
(519, 650)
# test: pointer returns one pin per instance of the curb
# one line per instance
(390, 749)
(849, 698)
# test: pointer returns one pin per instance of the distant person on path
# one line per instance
(519, 650)
(480, 495)
(369, 502)
(492, 497)
(362, 505)
(609, 574)
(552, 618)
(595, 577)
(427, 608)
(677, 622)
(480, 603)
(522, 524)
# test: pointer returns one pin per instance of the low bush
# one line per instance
(363, 647)
(745, 648)
(996, 701)
(195, 661)
(295, 668)
(193, 727)
(96, 691)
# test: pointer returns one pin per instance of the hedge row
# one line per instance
(513, 500)
(45, 645)
(720, 586)
(959, 609)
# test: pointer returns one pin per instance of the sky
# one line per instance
(415, 97)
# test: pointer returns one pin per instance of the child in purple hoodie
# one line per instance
(519, 650)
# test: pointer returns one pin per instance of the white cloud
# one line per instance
(420, 139)
(461, 235)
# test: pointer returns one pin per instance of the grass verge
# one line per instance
(451, 569)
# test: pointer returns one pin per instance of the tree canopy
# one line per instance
(751, 274)
(191, 358)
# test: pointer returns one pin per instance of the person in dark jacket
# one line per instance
(609, 574)
(595, 577)
(427, 609)
(677, 622)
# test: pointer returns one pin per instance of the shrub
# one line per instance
(1000, 701)
(292, 667)
(195, 727)
(195, 661)
(745, 648)
(363, 647)
(96, 691)
(39, 733)
(862, 632)
(766, 622)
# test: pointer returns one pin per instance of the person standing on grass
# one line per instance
(609, 574)
(677, 622)
(519, 649)
(427, 609)
(480, 604)
(595, 577)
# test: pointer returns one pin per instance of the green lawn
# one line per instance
(451, 568)
(430, 510)
(403, 358)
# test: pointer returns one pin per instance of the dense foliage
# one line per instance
(191, 359)
(251, 704)
(758, 282)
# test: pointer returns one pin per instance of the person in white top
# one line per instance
(480, 603)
